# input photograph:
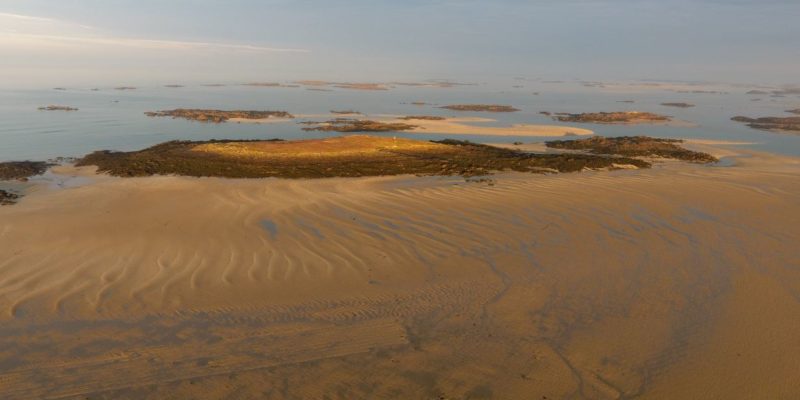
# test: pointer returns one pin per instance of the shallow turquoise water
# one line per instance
(112, 119)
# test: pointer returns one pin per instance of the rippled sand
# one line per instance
(678, 282)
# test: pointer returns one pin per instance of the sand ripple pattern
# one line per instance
(592, 285)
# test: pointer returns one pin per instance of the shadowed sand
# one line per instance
(677, 282)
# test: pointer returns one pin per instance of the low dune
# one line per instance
(659, 283)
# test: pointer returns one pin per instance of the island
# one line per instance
(57, 108)
(218, 116)
(617, 117)
(423, 118)
(780, 124)
(125, 88)
(344, 156)
(345, 112)
(173, 86)
(678, 105)
(356, 125)
(481, 108)
(344, 85)
(633, 146)
(795, 111)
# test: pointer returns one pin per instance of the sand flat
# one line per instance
(649, 283)
(466, 126)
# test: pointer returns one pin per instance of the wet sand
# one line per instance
(682, 281)
(454, 126)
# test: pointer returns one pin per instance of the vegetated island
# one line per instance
(795, 111)
(480, 107)
(344, 156)
(218, 116)
(356, 125)
(125, 88)
(678, 105)
(791, 124)
(173, 86)
(57, 108)
(618, 117)
(633, 146)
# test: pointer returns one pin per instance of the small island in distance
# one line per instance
(678, 105)
(618, 117)
(218, 116)
(481, 107)
(779, 124)
(57, 108)
(356, 125)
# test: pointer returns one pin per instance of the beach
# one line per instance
(671, 282)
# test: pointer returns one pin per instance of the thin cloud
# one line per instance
(149, 43)
(54, 32)
(25, 17)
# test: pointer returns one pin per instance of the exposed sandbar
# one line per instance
(470, 126)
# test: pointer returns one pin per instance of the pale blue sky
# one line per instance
(60, 42)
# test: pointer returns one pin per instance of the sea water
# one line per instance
(110, 119)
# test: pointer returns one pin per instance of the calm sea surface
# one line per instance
(115, 120)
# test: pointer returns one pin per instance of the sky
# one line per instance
(96, 42)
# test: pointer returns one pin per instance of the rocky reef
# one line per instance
(481, 107)
(423, 118)
(57, 108)
(617, 117)
(21, 170)
(678, 105)
(217, 116)
(781, 124)
(633, 146)
(8, 198)
(350, 125)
